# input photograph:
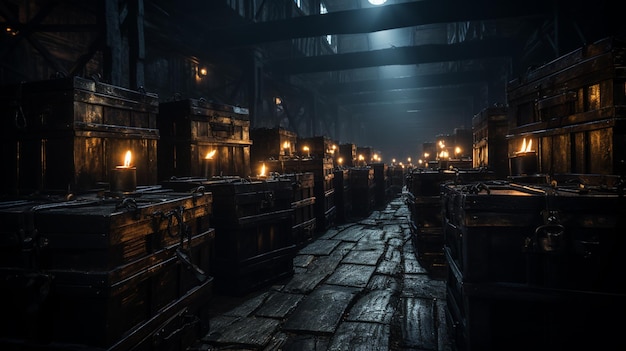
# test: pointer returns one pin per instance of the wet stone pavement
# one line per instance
(357, 286)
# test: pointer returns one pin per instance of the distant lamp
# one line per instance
(377, 2)
(278, 100)
(202, 72)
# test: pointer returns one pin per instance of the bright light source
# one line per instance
(377, 2)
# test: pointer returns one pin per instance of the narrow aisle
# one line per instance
(357, 286)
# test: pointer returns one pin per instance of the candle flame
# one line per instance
(127, 158)
(286, 145)
(210, 155)
(262, 170)
(526, 147)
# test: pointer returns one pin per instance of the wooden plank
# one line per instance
(417, 328)
(320, 247)
(253, 332)
(375, 306)
(279, 304)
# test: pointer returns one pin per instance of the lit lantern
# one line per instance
(124, 177)
(286, 148)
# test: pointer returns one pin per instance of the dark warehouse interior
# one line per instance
(312, 174)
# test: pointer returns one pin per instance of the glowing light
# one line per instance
(526, 147)
(127, 158)
(377, 2)
(262, 173)
(210, 154)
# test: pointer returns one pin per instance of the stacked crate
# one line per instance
(382, 183)
(323, 188)
(343, 194)
(95, 272)
(271, 144)
(397, 174)
(363, 191)
(570, 111)
(535, 265)
(490, 127)
(254, 241)
(303, 205)
(67, 135)
(203, 139)
(347, 153)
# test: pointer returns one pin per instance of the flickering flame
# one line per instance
(442, 144)
(210, 154)
(457, 150)
(305, 149)
(443, 154)
(340, 160)
(361, 158)
(127, 159)
(526, 147)
(262, 173)
(286, 145)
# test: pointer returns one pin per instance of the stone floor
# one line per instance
(357, 286)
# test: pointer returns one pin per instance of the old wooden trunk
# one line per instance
(343, 194)
(316, 147)
(347, 153)
(254, 241)
(571, 112)
(68, 135)
(271, 144)
(534, 265)
(203, 139)
(303, 205)
(322, 169)
(382, 183)
(490, 127)
(106, 273)
(363, 191)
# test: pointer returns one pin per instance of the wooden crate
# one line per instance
(303, 203)
(534, 265)
(70, 133)
(103, 273)
(271, 144)
(191, 129)
(382, 183)
(322, 169)
(363, 191)
(347, 152)
(489, 128)
(254, 241)
(571, 109)
(343, 194)
(98, 233)
(319, 147)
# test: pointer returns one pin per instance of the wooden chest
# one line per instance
(534, 265)
(571, 110)
(397, 174)
(318, 147)
(343, 194)
(203, 139)
(98, 233)
(347, 152)
(490, 147)
(70, 133)
(363, 191)
(105, 274)
(303, 204)
(272, 144)
(382, 182)
(254, 241)
(322, 169)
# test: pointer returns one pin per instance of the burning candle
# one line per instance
(124, 178)
(306, 149)
(209, 164)
(263, 171)
(286, 148)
